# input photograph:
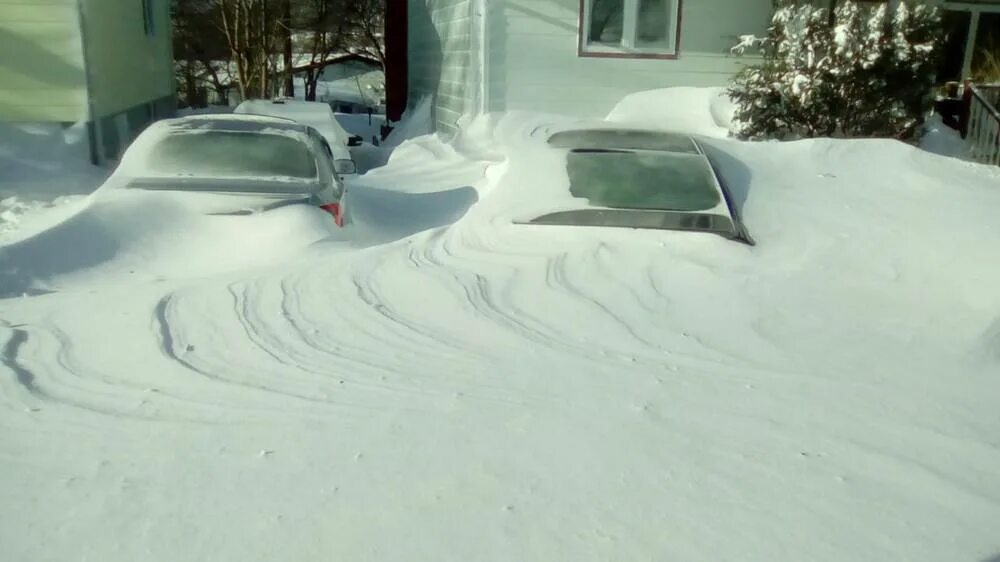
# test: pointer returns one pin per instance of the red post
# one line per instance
(396, 39)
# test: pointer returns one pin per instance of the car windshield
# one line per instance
(232, 154)
(642, 180)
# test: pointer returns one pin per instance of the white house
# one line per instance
(582, 56)
(567, 56)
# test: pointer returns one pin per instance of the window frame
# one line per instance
(584, 49)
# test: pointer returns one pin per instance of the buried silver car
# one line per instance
(234, 164)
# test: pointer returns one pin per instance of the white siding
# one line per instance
(534, 65)
(440, 57)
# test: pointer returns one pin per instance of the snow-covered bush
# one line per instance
(866, 71)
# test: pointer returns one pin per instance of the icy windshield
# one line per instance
(232, 154)
(642, 180)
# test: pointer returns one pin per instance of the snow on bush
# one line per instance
(865, 70)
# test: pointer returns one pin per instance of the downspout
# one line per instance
(477, 77)
(484, 57)
(97, 137)
(473, 102)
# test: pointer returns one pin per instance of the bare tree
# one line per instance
(201, 53)
(260, 40)
(322, 28)
(252, 39)
(286, 54)
(366, 23)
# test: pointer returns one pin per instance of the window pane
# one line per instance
(606, 20)
(654, 22)
(225, 154)
(986, 57)
(956, 32)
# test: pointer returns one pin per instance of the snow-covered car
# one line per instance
(317, 115)
(634, 178)
(234, 164)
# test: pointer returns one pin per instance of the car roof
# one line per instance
(626, 139)
(235, 123)
(285, 104)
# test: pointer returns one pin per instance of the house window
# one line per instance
(637, 28)
(148, 23)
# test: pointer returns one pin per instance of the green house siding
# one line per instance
(42, 76)
(129, 68)
(98, 61)
(440, 45)
(126, 67)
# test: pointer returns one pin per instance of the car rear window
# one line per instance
(232, 154)
(642, 180)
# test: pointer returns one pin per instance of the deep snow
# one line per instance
(436, 383)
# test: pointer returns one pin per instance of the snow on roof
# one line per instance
(233, 118)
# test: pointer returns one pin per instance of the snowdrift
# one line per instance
(128, 237)
(474, 389)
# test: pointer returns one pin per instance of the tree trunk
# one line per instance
(262, 53)
(312, 79)
(286, 34)
(189, 83)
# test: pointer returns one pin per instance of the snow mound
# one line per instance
(154, 236)
(699, 111)
(40, 162)
(416, 121)
(20, 217)
(942, 139)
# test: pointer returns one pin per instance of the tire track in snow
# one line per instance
(478, 291)
(470, 261)
(404, 347)
(167, 337)
(499, 304)
(64, 384)
(263, 335)
(22, 374)
(168, 345)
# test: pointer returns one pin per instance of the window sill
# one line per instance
(623, 54)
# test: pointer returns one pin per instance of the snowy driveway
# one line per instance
(480, 390)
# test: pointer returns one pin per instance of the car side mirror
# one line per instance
(345, 166)
(355, 140)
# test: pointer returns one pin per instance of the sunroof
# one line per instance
(603, 139)
(643, 180)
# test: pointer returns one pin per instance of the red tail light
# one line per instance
(335, 210)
